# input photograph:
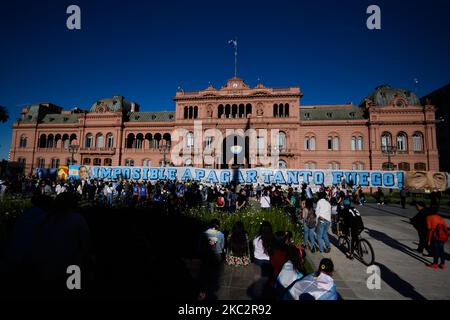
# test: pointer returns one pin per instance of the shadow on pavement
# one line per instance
(395, 244)
(398, 284)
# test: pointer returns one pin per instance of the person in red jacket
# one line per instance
(437, 237)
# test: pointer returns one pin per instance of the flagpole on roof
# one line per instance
(234, 44)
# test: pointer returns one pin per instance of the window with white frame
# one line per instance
(281, 141)
(100, 141)
(310, 166)
(358, 166)
(418, 142)
(89, 141)
(333, 166)
(333, 143)
(190, 140)
(402, 144)
(357, 143)
(310, 143)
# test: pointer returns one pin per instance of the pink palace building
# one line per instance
(389, 130)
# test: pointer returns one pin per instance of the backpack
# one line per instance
(220, 201)
(441, 233)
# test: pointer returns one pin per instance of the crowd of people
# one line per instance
(282, 263)
(283, 275)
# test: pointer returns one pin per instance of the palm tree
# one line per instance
(4, 116)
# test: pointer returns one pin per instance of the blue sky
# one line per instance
(145, 49)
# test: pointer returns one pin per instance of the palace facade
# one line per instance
(389, 130)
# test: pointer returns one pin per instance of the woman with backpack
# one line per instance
(437, 237)
(309, 225)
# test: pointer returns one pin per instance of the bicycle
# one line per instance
(363, 248)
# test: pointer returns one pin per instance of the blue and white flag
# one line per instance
(233, 43)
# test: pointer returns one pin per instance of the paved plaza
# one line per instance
(403, 271)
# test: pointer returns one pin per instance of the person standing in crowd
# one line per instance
(216, 238)
(436, 239)
(210, 198)
(380, 196)
(315, 286)
(361, 196)
(258, 192)
(309, 225)
(323, 213)
(419, 222)
(265, 200)
(108, 193)
(238, 252)
(2, 190)
(403, 193)
(241, 200)
(143, 193)
(263, 244)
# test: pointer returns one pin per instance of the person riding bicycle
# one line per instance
(352, 224)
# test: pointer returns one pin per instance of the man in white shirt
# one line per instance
(323, 214)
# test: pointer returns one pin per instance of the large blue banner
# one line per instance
(385, 179)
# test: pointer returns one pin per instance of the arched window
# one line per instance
(50, 141)
(282, 164)
(87, 161)
(66, 141)
(195, 112)
(186, 114)
(387, 166)
(73, 138)
(190, 140)
(227, 110)
(167, 139)
(234, 111)
(220, 111)
(404, 166)
(333, 165)
(107, 162)
(129, 162)
(146, 163)
(358, 166)
(97, 162)
(23, 141)
(157, 140)
(402, 142)
(109, 140)
(420, 166)
(386, 141)
(89, 143)
(333, 142)
(417, 142)
(139, 141)
(281, 110)
(357, 143)
(310, 165)
(286, 110)
(188, 163)
(281, 141)
(130, 140)
(149, 138)
(55, 163)
(22, 161)
(100, 143)
(40, 162)
(42, 141)
(310, 143)
(241, 110)
(275, 110)
(248, 109)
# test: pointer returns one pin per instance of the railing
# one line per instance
(103, 150)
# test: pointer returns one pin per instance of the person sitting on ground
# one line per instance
(238, 253)
(437, 237)
(263, 244)
(316, 286)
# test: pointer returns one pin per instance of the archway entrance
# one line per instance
(235, 152)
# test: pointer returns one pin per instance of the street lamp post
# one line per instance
(164, 149)
(73, 148)
(390, 151)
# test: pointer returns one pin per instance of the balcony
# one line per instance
(95, 150)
